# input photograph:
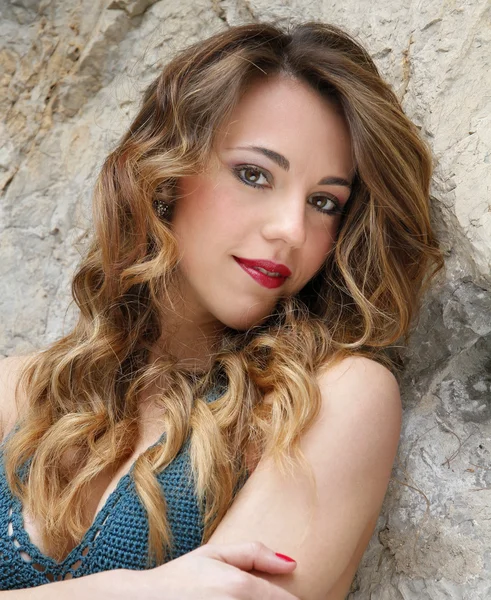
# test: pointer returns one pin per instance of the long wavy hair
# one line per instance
(83, 389)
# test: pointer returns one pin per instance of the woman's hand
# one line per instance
(215, 572)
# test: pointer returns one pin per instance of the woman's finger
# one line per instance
(249, 556)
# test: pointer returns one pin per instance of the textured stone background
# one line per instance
(70, 72)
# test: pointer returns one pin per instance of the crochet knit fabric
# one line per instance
(117, 539)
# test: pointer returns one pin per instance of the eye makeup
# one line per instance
(259, 172)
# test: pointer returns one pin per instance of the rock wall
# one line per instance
(70, 73)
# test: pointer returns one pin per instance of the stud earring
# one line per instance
(161, 208)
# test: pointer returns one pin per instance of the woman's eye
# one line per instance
(325, 204)
(257, 178)
(251, 176)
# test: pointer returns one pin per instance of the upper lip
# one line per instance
(269, 265)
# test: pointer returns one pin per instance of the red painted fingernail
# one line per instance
(285, 557)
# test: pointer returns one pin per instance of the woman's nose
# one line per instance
(286, 220)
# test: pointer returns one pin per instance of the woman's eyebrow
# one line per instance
(284, 163)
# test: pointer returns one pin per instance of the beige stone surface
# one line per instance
(70, 74)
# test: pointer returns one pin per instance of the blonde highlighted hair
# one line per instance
(83, 390)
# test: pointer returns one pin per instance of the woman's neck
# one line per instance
(192, 346)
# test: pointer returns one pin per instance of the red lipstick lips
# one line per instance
(267, 265)
(266, 272)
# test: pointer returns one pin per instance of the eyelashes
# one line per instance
(244, 172)
(252, 169)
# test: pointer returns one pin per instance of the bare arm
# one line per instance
(100, 586)
(351, 448)
(10, 369)
(207, 573)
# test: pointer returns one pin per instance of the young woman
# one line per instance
(261, 237)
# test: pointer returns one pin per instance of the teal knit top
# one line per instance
(116, 540)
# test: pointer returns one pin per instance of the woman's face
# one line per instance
(277, 192)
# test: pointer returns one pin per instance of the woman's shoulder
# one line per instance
(358, 369)
(10, 371)
(361, 390)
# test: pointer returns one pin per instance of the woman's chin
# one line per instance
(246, 320)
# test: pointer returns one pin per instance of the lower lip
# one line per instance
(265, 280)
